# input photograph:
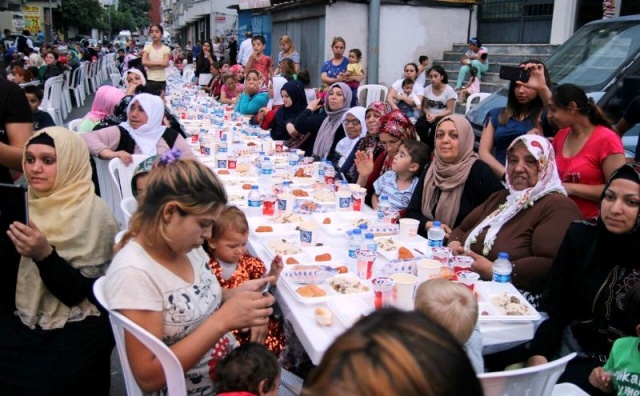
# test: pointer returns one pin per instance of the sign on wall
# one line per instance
(32, 20)
(249, 4)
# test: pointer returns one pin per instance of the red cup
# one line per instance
(269, 206)
(231, 163)
(383, 295)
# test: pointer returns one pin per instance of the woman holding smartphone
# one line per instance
(60, 341)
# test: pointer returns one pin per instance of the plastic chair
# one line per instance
(86, 71)
(74, 124)
(568, 389)
(538, 380)
(373, 93)
(109, 191)
(76, 86)
(171, 366)
(66, 97)
(480, 96)
(52, 101)
(122, 174)
(128, 206)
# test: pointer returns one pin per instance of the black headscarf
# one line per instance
(295, 90)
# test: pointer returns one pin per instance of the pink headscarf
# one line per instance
(107, 97)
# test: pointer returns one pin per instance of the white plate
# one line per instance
(392, 254)
(488, 290)
(292, 247)
(330, 292)
(349, 311)
(279, 230)
(349, 218)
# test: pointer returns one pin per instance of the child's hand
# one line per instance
(276, 268)
(259, 333)
(601, 379)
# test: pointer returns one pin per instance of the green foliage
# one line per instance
(82, 14)
(137, 11)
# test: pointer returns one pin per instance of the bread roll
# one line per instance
(323, 257)
(264, 228)
(404, 253)
(291, 260)
(323, 316)
(327, 220)
(223, 172)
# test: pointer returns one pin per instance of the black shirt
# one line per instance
(14, 108)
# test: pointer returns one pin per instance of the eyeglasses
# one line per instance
(352, 122)
(389, 143)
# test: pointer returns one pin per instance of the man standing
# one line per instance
(245, 50)
(196, 49)
(233, 50)
(23, 42)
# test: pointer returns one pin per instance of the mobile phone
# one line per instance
(14, 205)
(513, 73)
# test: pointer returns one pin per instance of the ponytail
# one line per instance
(596, 115)
(564, 94)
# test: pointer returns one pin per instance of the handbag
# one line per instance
(297, 143)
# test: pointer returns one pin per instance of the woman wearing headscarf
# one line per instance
(368, 143)
(455, 183)
(294, 102)
(106, 99)
(60, 341)
(142, 133)
(353, 123)
(319, 126)
(393, 129)
(134, 81)
(598, 263)
(527, 220)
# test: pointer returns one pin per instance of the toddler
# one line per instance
(310, 92)
(233, 265)
(473, 85)
(619, 375)
(398, 183)
(259, 61)
(250, 369)
(454, 307)
(41, 119)
(354, 68)
(407, 101)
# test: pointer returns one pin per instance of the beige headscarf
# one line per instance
(77, 223)
(449, 178)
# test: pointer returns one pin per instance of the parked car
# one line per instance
(602, 57)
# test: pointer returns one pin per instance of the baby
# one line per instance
(250, 369)
(407, 101)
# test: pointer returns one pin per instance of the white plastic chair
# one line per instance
(373, 93)
(171, 366)
(52, 101)
(128, 206)
(76, 86)
(480, 96)
(122, 174)
(86, 70)
(66, 97)
(109, 190)
(74, 124)
(568, 389)
(537, 380)
(188, 76)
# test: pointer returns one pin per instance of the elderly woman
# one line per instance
(142, 133)
(323, 125)
(106, 99)
(455, 183)
(597, 264)
(527, 221)
(60, 342)
(393, 129)
(253, 98)
(353, 123)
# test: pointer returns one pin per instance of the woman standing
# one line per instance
(587, 150)
(61, 340)
(218, 49)
(455, 183)
(155, 56)
(439, 101)
(288, 51)
(410, 72)
(334, 70)
(597, 264)
(203, 64)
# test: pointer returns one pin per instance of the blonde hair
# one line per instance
(287, 39)
(231, 218)
(186, 183)
(450, 304)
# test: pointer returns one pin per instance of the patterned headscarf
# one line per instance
(400, 127)
(142, 168)
(548, 182)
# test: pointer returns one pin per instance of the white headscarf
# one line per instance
(278, 83)
(548, 182)
(346, 144)
(134, 71)
(147, 136)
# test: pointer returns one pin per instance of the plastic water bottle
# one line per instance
(383, 209)
(293, 161)
(321, 172)
(502, 268)
(253, 201)
(223, 147)
(286, 187)
(266, 168)
(344, 185)
(369, 243)
(355, 242)
(330, 176)
(364, 227)
(436, 235)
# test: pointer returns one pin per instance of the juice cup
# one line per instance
(383, 292)
(364, 263)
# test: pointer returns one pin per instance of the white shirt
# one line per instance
(245, 51)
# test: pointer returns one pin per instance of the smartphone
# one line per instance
(14, 205)
(513, 73)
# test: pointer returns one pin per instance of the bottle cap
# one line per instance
(254, 187)
(357, 231)
(436, 223)
(503, 255)
(369, 235)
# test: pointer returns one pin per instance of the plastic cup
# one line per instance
(468, 278)
(461, 263)
(285, 202)
(269, 205)
(231, 163)
(443, 255)
(383, 292)
(279, 145)
(405, 290)
(357, 198)
(428, 269)
(343, 201)
(364, 263)
(408, 228)
(308, 233)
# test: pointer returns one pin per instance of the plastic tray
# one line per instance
(349, 311)
(393, 254)
(488, 290)
(331, 294)
(279, 230)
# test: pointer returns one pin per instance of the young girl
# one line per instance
(473, 85)
(253, 97)
(155, 56)
(230, 90)
(160, 278)
(288, 70)
(238, 72)
(215, 86)
(439, 101)
(233, 265)
(310, 92)
(356, 74)
(288, 51)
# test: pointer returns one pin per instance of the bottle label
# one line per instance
(266, 171)
(352, 253)
(435, 242)
(222, 163)
(344, 203)
(254, 204)
(306, 236)
(501, 278)
(282, 204)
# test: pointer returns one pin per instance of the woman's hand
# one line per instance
(246, 309)
(481, 264)
(291, 129)
(537, 80)
(259, 333)
(255, 285)
(536, 360)
(276, 268)
(364, 163)
(314, 105)
(123, 155)
(456, 247)
(601, 380)
(430, 117)
(29, 240)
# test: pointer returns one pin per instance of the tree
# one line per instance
(81, 14)
(137, 11)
